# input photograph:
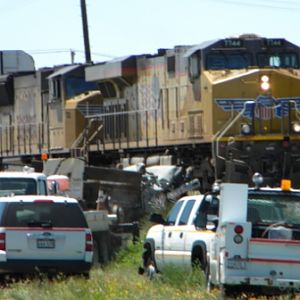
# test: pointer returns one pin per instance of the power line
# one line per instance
(278, 5)
(49, 51)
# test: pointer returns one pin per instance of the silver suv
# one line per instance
(45, 234)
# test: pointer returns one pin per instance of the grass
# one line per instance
(118, 280)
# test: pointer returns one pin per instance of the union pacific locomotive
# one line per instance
(228, 108)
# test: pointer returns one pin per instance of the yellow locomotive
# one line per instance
(228, 108)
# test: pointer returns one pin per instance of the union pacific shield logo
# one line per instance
(265, 108)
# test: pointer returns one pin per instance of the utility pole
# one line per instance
(85, 32)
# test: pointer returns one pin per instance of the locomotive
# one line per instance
(227, 108)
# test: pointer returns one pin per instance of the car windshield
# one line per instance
(271, 208)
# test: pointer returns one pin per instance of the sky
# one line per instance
(50, 29)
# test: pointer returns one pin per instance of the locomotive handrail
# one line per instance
(221, 133)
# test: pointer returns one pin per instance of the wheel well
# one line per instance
(199, 256)
(148, 253)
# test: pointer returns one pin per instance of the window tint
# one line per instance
(17, 186)
(186, 212)
(46, 214)
(227, 61)
(171, 219)
(281, 60)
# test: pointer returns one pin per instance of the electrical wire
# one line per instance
(49, 51)
(274, 4)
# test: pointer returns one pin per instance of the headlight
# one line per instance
(296, 127)
(265, 83)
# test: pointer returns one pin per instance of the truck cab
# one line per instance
(26, 182)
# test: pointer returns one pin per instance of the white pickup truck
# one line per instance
(183, 238)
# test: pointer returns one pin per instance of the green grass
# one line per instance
(119, 280)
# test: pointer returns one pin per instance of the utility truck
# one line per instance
(245, 239)
(257, 242)
(108, 233)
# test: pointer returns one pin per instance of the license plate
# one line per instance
(236, 264)
(45, 243)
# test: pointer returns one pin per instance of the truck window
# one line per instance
(172, 216)
(276, 208)
(186, 212)
(17, 186)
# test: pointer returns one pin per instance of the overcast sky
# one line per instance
(50, 29)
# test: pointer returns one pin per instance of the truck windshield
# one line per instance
(271, 208)
(17, 186)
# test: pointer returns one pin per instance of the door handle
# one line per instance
(170, 234)
(181, 235)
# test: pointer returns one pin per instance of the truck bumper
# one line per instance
(44, 266)
(284, 283)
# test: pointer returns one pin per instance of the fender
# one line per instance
(148, 254)
(151, 242)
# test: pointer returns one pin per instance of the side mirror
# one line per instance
(157, 219)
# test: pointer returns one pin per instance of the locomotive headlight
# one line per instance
(296, 127)
(265, 83)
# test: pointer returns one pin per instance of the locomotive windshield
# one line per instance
(282, 60)
(253, 52)
(224, 60)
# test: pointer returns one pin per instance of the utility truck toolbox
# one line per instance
(257, 243)
(45, 234)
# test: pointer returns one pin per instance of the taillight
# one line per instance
(2, 241)
(88, 242)
(238, 229)
(238, 238)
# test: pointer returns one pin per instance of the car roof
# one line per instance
(39, 198)
(34, 175)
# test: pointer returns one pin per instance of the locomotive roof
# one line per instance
(200, 46)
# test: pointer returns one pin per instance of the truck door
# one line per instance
(162, 244)
(173, 251)
(202, 228)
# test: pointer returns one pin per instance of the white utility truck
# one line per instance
(101, 223)
(257, 243)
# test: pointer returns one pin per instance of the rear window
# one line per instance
(43, 214)
(17, 186)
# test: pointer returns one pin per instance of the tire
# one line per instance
(226, 291)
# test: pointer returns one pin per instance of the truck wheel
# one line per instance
(226, 291)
